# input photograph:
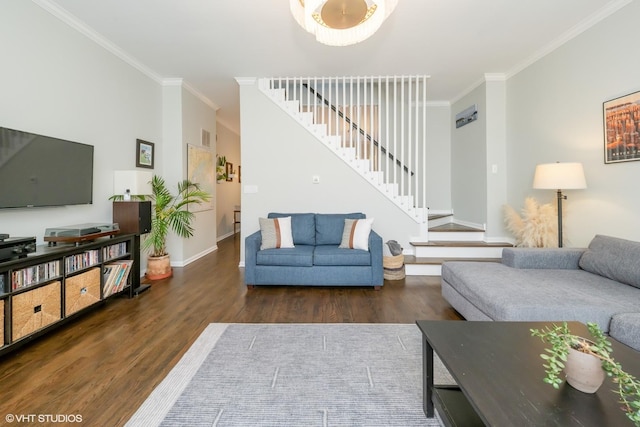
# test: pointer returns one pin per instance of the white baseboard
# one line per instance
(224, 236)
(194, 258)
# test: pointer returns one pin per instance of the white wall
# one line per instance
(496, 160)
(198, 114)
(468, 160)
(555, 114)
(56, 82)
(228, 192)
(439, 157)
(280, 157)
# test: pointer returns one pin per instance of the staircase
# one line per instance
(376, 125)
(449, 241)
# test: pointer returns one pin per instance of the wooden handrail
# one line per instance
(355, 126)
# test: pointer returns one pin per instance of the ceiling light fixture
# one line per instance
(341, 22)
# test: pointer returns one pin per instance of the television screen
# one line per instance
(37, 170)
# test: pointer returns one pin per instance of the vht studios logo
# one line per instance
(43, 418)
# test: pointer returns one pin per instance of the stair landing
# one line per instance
(451, 242)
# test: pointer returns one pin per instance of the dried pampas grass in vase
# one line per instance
(536, 228)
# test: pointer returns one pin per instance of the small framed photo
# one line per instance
(144, 154)
(622, 128)
(229, 171)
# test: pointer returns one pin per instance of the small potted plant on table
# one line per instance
(568, 349)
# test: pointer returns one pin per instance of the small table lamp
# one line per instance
(559, 176)
(132, 182)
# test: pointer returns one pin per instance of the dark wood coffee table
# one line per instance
(499, 373)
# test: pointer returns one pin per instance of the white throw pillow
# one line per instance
(356, 234)
(276, 233)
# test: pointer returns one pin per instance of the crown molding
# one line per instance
(244, 81)
(495, 77)
(578, 29)
(179, 82)
(468, 90)
(200, 96)
(75, 23)
(172, 81)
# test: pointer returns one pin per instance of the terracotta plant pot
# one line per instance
(584, 371)
(158, 268)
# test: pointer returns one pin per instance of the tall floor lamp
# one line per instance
(559, 176)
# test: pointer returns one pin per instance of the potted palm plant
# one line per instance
(578, 355)
(169, 213)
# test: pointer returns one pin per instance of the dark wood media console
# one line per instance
(55, 284)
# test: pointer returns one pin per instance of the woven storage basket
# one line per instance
(81, 291)
(395, 261)
(393, 267)
(35, 309)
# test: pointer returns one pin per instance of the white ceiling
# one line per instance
(210, 42)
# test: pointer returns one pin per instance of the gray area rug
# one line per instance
(295, 375)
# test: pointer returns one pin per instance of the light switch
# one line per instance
(494, 168)
(315, 179)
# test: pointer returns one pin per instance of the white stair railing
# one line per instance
(377, 124)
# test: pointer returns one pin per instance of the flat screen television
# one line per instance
(37, 170)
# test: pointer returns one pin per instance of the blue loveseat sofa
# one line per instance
(316, 259)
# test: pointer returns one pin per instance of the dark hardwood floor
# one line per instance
(104, 364)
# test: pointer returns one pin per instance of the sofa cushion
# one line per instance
(329, 227)
(614, 258)
(276, 233)
(625, 327)
(303, 227)
(356, 234)
(333, 255)
(564, 258)
(300, 256)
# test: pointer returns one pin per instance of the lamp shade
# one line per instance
(137, 182)
(559, 176)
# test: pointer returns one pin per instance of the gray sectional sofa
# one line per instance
(316, 259)
(598, 284)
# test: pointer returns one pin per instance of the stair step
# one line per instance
(464, 243)
(432, 266)
(410, 259)
(452, 227)
(438, 216)
(458, 236)
(459, 249)
(435, 220)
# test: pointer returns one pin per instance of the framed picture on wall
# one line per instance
(201, 170)
(229, 170)
(622, 128)
(144, 154)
